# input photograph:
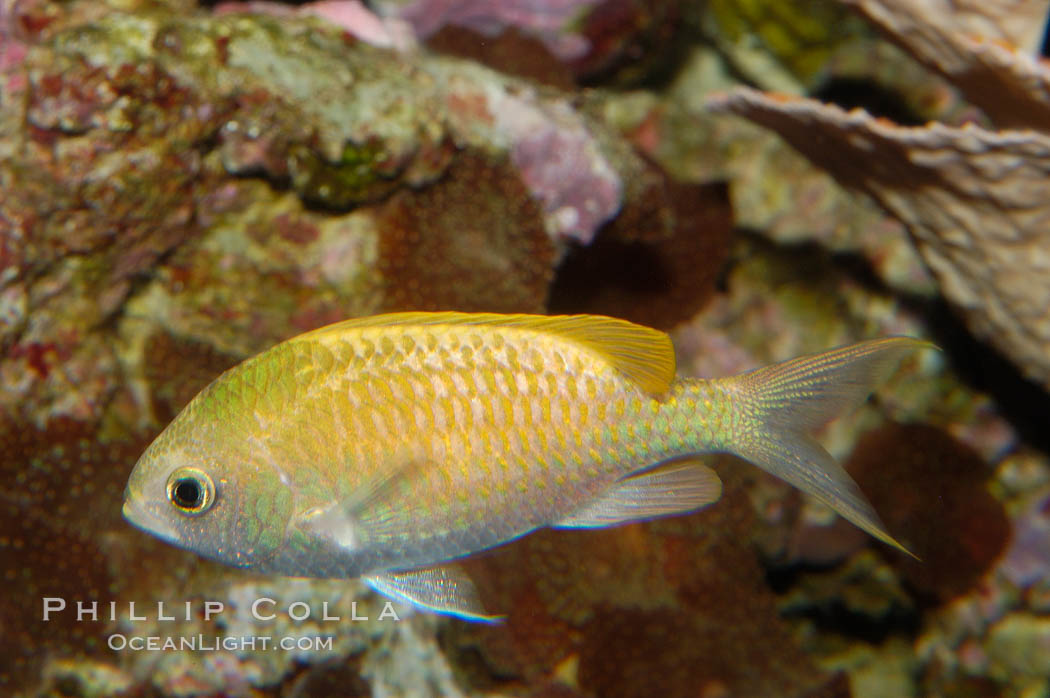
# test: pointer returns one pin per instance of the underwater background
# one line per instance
(183, 185)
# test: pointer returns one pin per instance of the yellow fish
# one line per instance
(384, 447)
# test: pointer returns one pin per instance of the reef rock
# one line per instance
(983, 48)
(238, 177)
(975, 201)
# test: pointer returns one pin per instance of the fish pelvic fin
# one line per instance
(780, 404)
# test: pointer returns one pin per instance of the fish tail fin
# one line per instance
(780, 404)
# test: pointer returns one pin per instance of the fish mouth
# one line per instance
(145, 520)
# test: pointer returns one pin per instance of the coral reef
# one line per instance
(159, 154)
(182, 186)
(969, 196)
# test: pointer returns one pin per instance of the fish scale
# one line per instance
(384, 447)
(476, 433)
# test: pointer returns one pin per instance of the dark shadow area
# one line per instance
(851, 93)
(836, 617)
(1025, 404)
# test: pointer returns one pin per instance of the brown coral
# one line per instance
(512, 52)
(647, 272)
(931, 492)
(474, 240)
(60, 524)
(975, 201)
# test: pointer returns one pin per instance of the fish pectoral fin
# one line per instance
(443, 589)
(383, 510)
(673, 489)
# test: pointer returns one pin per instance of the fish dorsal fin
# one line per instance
(641, 354)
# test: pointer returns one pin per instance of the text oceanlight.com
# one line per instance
(205, 643)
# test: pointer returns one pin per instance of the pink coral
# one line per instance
(351, 15)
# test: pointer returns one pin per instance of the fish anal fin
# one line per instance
(641, 354)
(443, 589)
(672, 489)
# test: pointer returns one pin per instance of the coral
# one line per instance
(571, 166)
(1018, 22)
(625, 42)
(781, 194)
(267, 269)
(971, 44)
(1027, 561)
(970, 197)
(481, 221)
(511, 52)
(924, 483)
(60, 524)
(232, 190)
(63, 268)
(176, 370)
(1019, 646)
(633, 42)
(635, 270)
(864, 590)
(773, 190)
(351, 15)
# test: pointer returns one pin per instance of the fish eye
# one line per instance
(191, 491)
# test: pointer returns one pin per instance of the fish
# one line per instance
(388, 447)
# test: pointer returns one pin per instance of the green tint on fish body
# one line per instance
(382, 447)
